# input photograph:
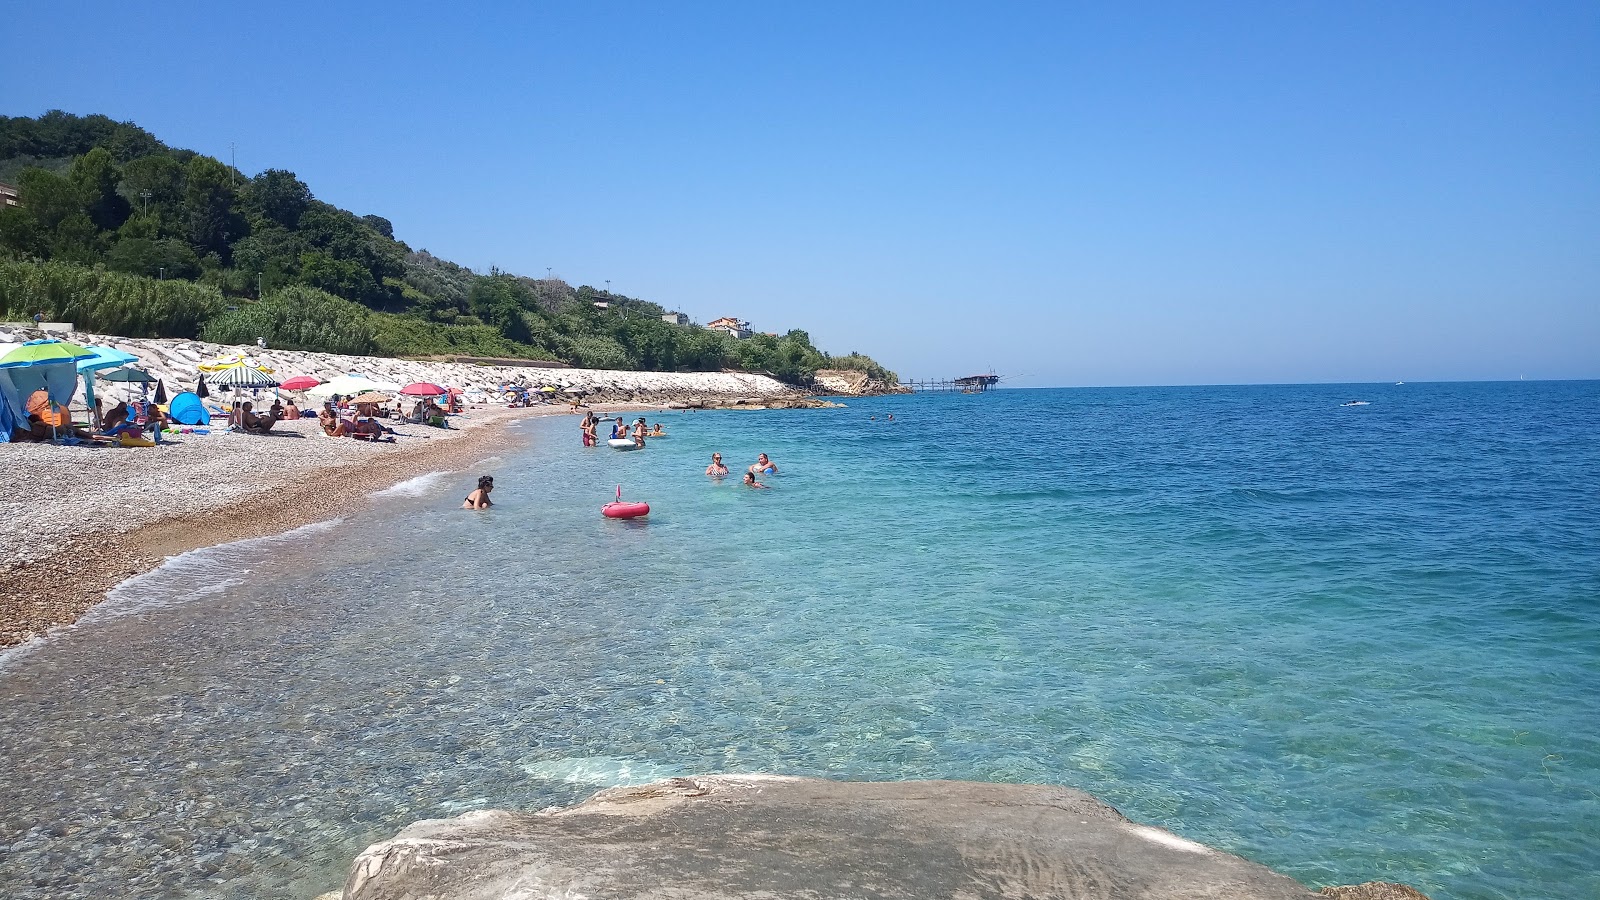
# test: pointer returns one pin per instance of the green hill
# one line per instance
(120, 233)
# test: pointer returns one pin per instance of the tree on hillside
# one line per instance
(209, 200)
(501, 300)
(153, 187)
(97, 176)
(276, 196)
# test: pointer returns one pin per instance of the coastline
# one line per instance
(55, 578)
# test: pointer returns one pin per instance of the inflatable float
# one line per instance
(621, 510)
(622, 444)
(127, 440)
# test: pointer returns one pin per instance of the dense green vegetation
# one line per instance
(119, 233)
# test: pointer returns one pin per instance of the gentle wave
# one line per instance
(414, 487)
(206, 572)
(196, 574)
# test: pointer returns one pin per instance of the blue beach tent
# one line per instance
(186, 409)
(13, 414)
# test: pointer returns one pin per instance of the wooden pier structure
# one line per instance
(972, 384)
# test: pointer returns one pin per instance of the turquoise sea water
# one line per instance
(1351, 643)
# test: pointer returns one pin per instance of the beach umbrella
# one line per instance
(242, 377)
(301, 383)
(549, 389)
(576, 390)
(200, 389)
(104, 358)
(45, 351)
(346, 385)
(370, 397)
(129, 376)
(423, 389)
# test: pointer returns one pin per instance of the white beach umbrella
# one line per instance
(347, 385)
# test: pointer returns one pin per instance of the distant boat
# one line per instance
(1399, 382)
(1356, 403)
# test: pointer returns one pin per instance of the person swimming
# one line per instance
(750, 480)
(764, 466)
(656, 431)
(479, 499)
(716, 468)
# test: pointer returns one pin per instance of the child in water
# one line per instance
(750, 480)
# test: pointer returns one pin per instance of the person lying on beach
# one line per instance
(750, 480)
(370, 430)
(716, 467)
(253, 423)
(479, 499)
(764, 466)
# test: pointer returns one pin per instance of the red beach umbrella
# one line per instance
(423, 389)
(300, 383)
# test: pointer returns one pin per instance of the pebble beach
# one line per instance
(76, 520)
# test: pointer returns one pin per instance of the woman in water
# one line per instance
(479, 499)
(716, 467)
(639, 430)
(750, 480)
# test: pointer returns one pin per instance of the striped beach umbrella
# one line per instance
(242, 377)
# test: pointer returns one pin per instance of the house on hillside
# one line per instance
(675, 318)
(9, 195)
(735, 328)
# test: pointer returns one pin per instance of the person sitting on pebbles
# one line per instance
(253, 423)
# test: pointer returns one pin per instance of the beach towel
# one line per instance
(186, 409)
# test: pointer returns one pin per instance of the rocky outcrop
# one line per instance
(850, 383)
(766, 836)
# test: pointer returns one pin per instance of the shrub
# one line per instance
(94, 299)
(298, 317)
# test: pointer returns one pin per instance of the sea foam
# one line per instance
(413, 487)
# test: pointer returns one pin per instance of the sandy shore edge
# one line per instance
(45, 596)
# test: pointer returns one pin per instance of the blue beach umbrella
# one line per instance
(104, 358)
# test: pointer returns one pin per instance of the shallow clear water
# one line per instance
(1351, 643)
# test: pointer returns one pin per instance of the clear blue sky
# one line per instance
(1070, 193)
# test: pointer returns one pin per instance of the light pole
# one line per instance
(258, 285)
(608, 287)
(163, 273)
(145, 197)
(547, 272)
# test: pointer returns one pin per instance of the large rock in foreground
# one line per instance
(765, 836)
